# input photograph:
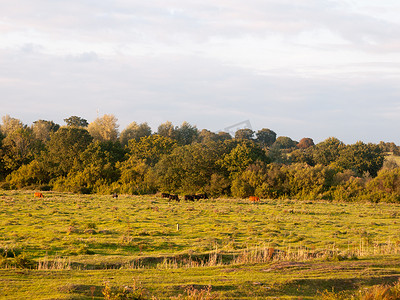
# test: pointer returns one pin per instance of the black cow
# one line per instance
(201, 196)
(189, 197)
(174, 197)
(164, 195)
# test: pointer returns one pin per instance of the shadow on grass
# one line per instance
(82, 290)
(311, 287)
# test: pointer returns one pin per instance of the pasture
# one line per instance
(68, 246)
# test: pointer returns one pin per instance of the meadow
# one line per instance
(69, 246)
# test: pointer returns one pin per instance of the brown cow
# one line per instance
(39, 195)
(254, 199)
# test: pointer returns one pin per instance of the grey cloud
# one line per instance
(201, 91)
(171, 21)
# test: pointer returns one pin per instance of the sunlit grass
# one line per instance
(192, 242)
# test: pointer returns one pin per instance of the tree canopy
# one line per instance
(96, 158)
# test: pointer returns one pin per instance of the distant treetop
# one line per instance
(75, 121)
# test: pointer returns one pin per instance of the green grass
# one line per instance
(76, 242)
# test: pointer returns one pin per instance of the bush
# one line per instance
(10, 252)
(15, 258)
(241, 189)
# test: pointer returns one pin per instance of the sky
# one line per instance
(304, 68)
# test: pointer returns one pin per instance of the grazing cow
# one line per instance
(164, 195)
(254, 199)
(174, 197)
(39, 195)
(201, 196)
(189, 197)
(115, 195)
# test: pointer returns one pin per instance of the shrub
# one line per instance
(241, 189)
(382, 292)
(10, 252)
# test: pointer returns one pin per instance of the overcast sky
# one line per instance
(304, 68)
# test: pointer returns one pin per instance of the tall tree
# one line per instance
(64, 147)
(266, 137)
(189, 168)
(9, 125)
(305, 143)
(93, 170)
(18, 148)
(186, 133)
(134, 131)
(206, 136)
(42, 129)
(284, 142)
(150, 148)
(327, 151)
(104, 129)
(243, 155)
(361, 158)
(244, 134)
(167, 129)
(75, 121)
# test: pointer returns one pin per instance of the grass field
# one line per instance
(68, 246)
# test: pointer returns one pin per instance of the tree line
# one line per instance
(95, 157)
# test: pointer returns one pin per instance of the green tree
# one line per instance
(137, 177)
(219, 185)
(64, 147)
(244, 134)
(75, 121)
(327, 151)
(266, 137)
(134, 131)
(189, 168)
(302, 156)
(243, 155)
(104, 129)
(186, 133)
(308, 183)
(94, 170)
(9, 125)
(32, 175)
(385, 186)
(42, 129)
(206, 136)
(150, 148)
(3, 172)
(361, 158)
(167, 129)
(284, 142)
(18, 148)
(250, 181)
(241, 188)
